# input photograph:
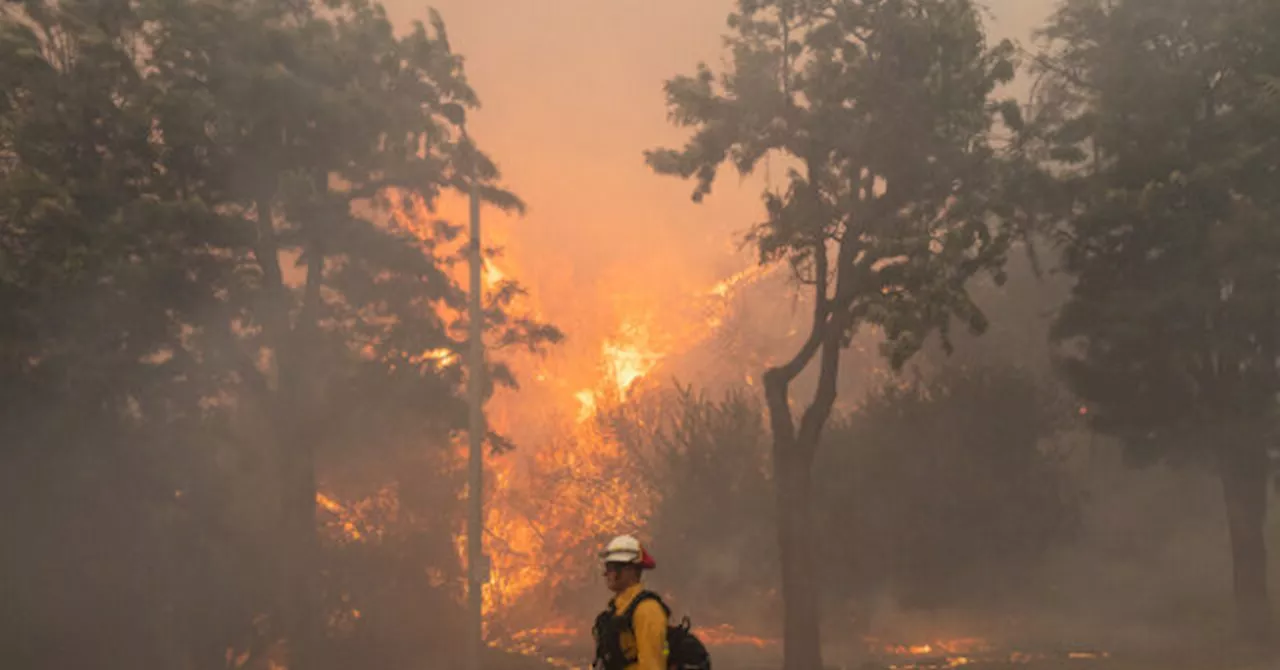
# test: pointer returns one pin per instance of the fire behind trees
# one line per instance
(206, 301)
(940, 493)
(1145, 157)
(209, 311)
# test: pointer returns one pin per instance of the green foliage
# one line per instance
(1165, 138)
(205, 304)
(884, 109)
(946, 490)
(1164, 141)
(882, 112)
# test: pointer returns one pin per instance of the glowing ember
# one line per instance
(556, 631)
(960, 652)
(442, 357)
(328, 504)
(958, 646)
(344, 521)
(725, 636)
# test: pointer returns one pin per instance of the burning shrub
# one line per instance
(944, 490)
(388, 557)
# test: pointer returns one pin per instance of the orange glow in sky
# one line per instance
(615, 256)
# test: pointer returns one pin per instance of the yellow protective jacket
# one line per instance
(648, 644)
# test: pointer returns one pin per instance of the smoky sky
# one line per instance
(572, 94)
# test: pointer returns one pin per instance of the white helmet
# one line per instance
(627, 549)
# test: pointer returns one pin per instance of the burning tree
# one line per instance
(305, 180)
(883, 109)
(198, 264)
(1161, 119)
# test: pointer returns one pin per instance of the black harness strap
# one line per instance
(610, 626)
(641, 597)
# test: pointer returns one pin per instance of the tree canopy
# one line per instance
(1160, 121)
(893, 200)
(210, 289)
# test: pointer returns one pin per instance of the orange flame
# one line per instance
(725, 636)
(959, 652)
(344, 521)
(567, 486)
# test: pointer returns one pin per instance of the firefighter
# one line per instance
(630, 635)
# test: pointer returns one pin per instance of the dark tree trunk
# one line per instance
(1244, 484)
(795, 447)
(302, 619)
(295, 434)
(802, 647)
(300, 385)
(794, 450)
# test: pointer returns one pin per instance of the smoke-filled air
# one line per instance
(639, 334)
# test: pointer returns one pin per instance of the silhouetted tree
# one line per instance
(884, 109)
(201, 285)
(1161, 119)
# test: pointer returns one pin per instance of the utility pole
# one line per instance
(477, 565)
(475, 392)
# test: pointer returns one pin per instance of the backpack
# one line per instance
(684, 650)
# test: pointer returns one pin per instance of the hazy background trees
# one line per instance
(1154, 113)
(1143, 164)
(882, 112)
(223, 290)
(208, 307)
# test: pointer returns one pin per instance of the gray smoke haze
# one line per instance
(572, 92)
(558, 79)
